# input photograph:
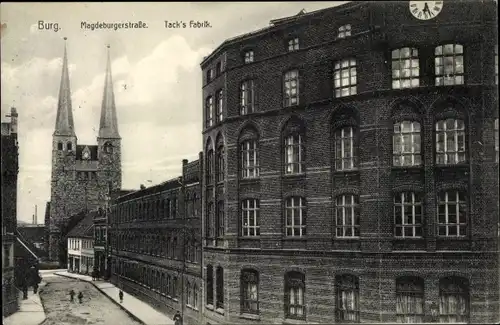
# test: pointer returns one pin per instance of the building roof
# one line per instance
(84, 228)
(64, 120)
(32, 232)
(27, 248)
(108, 127)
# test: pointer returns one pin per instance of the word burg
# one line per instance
(48, 26)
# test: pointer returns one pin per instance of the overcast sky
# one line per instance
(159, 110)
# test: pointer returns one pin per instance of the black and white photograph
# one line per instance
(220, 163)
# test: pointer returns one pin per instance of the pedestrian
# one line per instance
(80, 297)
(71, 295)
(120, 294)
(93, 275)
(178, 318)
(35, 288)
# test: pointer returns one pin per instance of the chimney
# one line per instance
(33, 219)
(36, 215)
(13, 120)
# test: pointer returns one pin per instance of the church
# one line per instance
(82, 174)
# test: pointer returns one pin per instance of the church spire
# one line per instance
(64, 120)
(108, 127)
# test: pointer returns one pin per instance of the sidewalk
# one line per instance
(30, 311)
(140, 310)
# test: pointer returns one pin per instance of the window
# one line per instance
(249, 159)
(295, 215)
(453, 300)
(344, 78)
(195, 296)
(405, 68)
(294, 295)
(210, 166)
(218, 68)
(108, 148)
(410, 300)
(219, 105)
(293, 44)
(347, 298)
(449, 65)
(69, 146)
(220, 288)
(452, 214)
(209, 220)
(406, 144)
(220, 163)
(496, 140)
(407, 215)
(344, 148)
(450, 142)
(174, 208)
(249, 291)
(209, 75)
(247, 97)
(496, 64)
(344, 31)
(59, 146)
(291, 88)
(347, 215)
(248, 57)
(294, 152)
(220, 219)
(209, 107)
(250, 217)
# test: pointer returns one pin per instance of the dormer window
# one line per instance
(293, 44)
(248, 57)
(344, 31)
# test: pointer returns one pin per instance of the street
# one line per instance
(95, 308)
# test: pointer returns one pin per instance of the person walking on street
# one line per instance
(80, 297)
(71, 295)
(178, 318)
(120, 294)
(35, 288)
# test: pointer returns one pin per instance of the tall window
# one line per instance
(69, 146)
(406, 144)
(345, 78)
(344, 31)
(209, 220)
(210, 285)
(247, 97)
(295, 215)
(250, 217)
(294, 295)
(449, 65)
(209, 111)
(220, 287)
(294, 154)
(249, 159)
(453, 300)
(220, 219)
(210, 166)
(220, 163)
(291, 88)
(452, 214)
(218, 69)
(347, 215)
(188, 294)
(450, 142)
(174, 208)
(209, 75)
(496, 64)
(410, 300)
(347, 298)
(219, 105)
(407, 215)
(344, 148)
(405, 68)
(496, 140)
(249, 291)
(59, 146)
(293, 44)
(195, 296)
(248, 57)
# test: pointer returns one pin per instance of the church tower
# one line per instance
(82, 175)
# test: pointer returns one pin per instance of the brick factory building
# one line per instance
(155, 244)
(351, 167)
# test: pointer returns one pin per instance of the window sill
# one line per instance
(295, 238)
(346, 171)
(250, 316)
(209, 307)
(448, 238)
(399, 238)
(249, 180)
(249, 237)
(220, 311)
(412, 167)
(294, 176)
(294, 321)
(451, 166)
(348, 238)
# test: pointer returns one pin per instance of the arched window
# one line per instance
(209, 172)
(405, 68)
(249, 291)
(450, 141)
(291, 88)
(220, 288)
(406, 143)
(69, 146)
(188, 294)
(345, 78)
(449, 64)
(452, 214)
(410, 299)
(59, 146)
(108, 147)
(220, 161)
(210, 285)
(249, 154)
(210, 220)
(295, 216)
(195, 296)
(347, 215)
(407, 214)
(209, 111)
(294, 147)
(347, 298)
(454, 300)
(248, 56)
(219, 104)
(196, 206)
(295, 295)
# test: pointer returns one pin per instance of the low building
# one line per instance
(34, 234)
(81, 245)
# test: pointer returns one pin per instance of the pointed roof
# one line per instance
(64, 120)
(108, 127)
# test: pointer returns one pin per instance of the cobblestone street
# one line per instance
(94, 309)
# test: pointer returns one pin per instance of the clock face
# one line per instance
(85, 155)
(425, 10)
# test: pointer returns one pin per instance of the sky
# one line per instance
(156, 75)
